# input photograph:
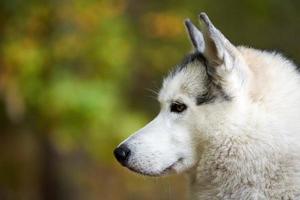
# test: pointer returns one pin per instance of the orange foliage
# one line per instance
(163, 25)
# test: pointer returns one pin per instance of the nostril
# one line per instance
(122, 154)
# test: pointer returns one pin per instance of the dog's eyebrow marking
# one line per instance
(208, 97)
(205, 99)
(213, 93)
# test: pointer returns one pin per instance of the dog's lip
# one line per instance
(161, 173)
(171, 166)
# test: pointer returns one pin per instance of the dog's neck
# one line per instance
(212, 171)
(226, 165)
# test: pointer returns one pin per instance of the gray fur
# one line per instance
(195, 35)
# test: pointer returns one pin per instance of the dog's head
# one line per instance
(198, 99)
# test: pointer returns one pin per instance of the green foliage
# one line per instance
(75, 74)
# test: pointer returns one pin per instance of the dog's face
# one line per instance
(196, 100)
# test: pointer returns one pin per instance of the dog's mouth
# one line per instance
(171, 167)
(166, 171)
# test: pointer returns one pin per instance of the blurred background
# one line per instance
(79, 76)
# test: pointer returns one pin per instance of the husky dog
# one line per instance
(229, 119)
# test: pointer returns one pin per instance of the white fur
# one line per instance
(244, 148)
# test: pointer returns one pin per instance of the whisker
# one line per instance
(152, 97)
(155, 92)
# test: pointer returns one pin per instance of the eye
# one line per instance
(177, 107)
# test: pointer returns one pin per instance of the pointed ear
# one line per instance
(218, 50)
(195, 35)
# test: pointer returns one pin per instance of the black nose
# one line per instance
(122, 154)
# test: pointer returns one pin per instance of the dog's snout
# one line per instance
(122, 154)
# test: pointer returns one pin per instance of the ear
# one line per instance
(226, 64)
(195, 35)
(218, 50)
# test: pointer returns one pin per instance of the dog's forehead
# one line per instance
(188, 79)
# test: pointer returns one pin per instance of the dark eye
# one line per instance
(177, 107)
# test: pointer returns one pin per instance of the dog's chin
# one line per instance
(171, 169)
